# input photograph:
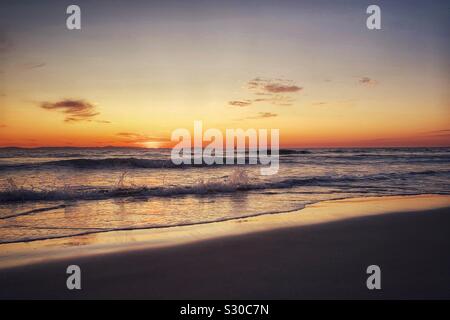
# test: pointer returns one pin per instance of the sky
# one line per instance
(137, 70)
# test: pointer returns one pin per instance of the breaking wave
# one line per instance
(108, 163)
(201, 188)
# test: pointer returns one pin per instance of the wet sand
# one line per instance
(324, 258)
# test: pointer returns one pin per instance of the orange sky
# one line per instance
(133, 75)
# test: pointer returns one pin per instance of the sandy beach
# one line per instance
(324, 257)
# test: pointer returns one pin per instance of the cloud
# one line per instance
(75, 110)
(269, 86)
(3, 125)
(263, 115)
(240, 103)
(33, 65)
(127, 134)
(278, 100)
(273, 91)
(366, 81)
(279, 88)
(131, 137)
(347, 103)
(438, 133)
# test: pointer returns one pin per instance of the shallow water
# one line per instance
(55, 192)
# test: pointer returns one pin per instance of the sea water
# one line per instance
(61, 192)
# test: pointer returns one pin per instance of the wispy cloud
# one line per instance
(269, 86)
(438, 133)
(366, 81)
(263, 115)
(240, 103)
(278, 100)
(33, 65)
(75, 110)
(272, 91)
(347, 103)
(137, 138)
(3, 125)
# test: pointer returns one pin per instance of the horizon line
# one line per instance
(281, 148)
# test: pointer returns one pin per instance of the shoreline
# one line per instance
(18, 254)
(192, 224)
(323, 257)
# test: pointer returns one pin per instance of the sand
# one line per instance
(323, 259)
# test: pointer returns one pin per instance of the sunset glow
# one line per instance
(322, 82)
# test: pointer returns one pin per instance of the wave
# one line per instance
(33, 211)
(86, 231)
(108, 163)
(112, 163)
(163, 161)
(292, 151)
(204, 188)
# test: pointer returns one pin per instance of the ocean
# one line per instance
(61, 192)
